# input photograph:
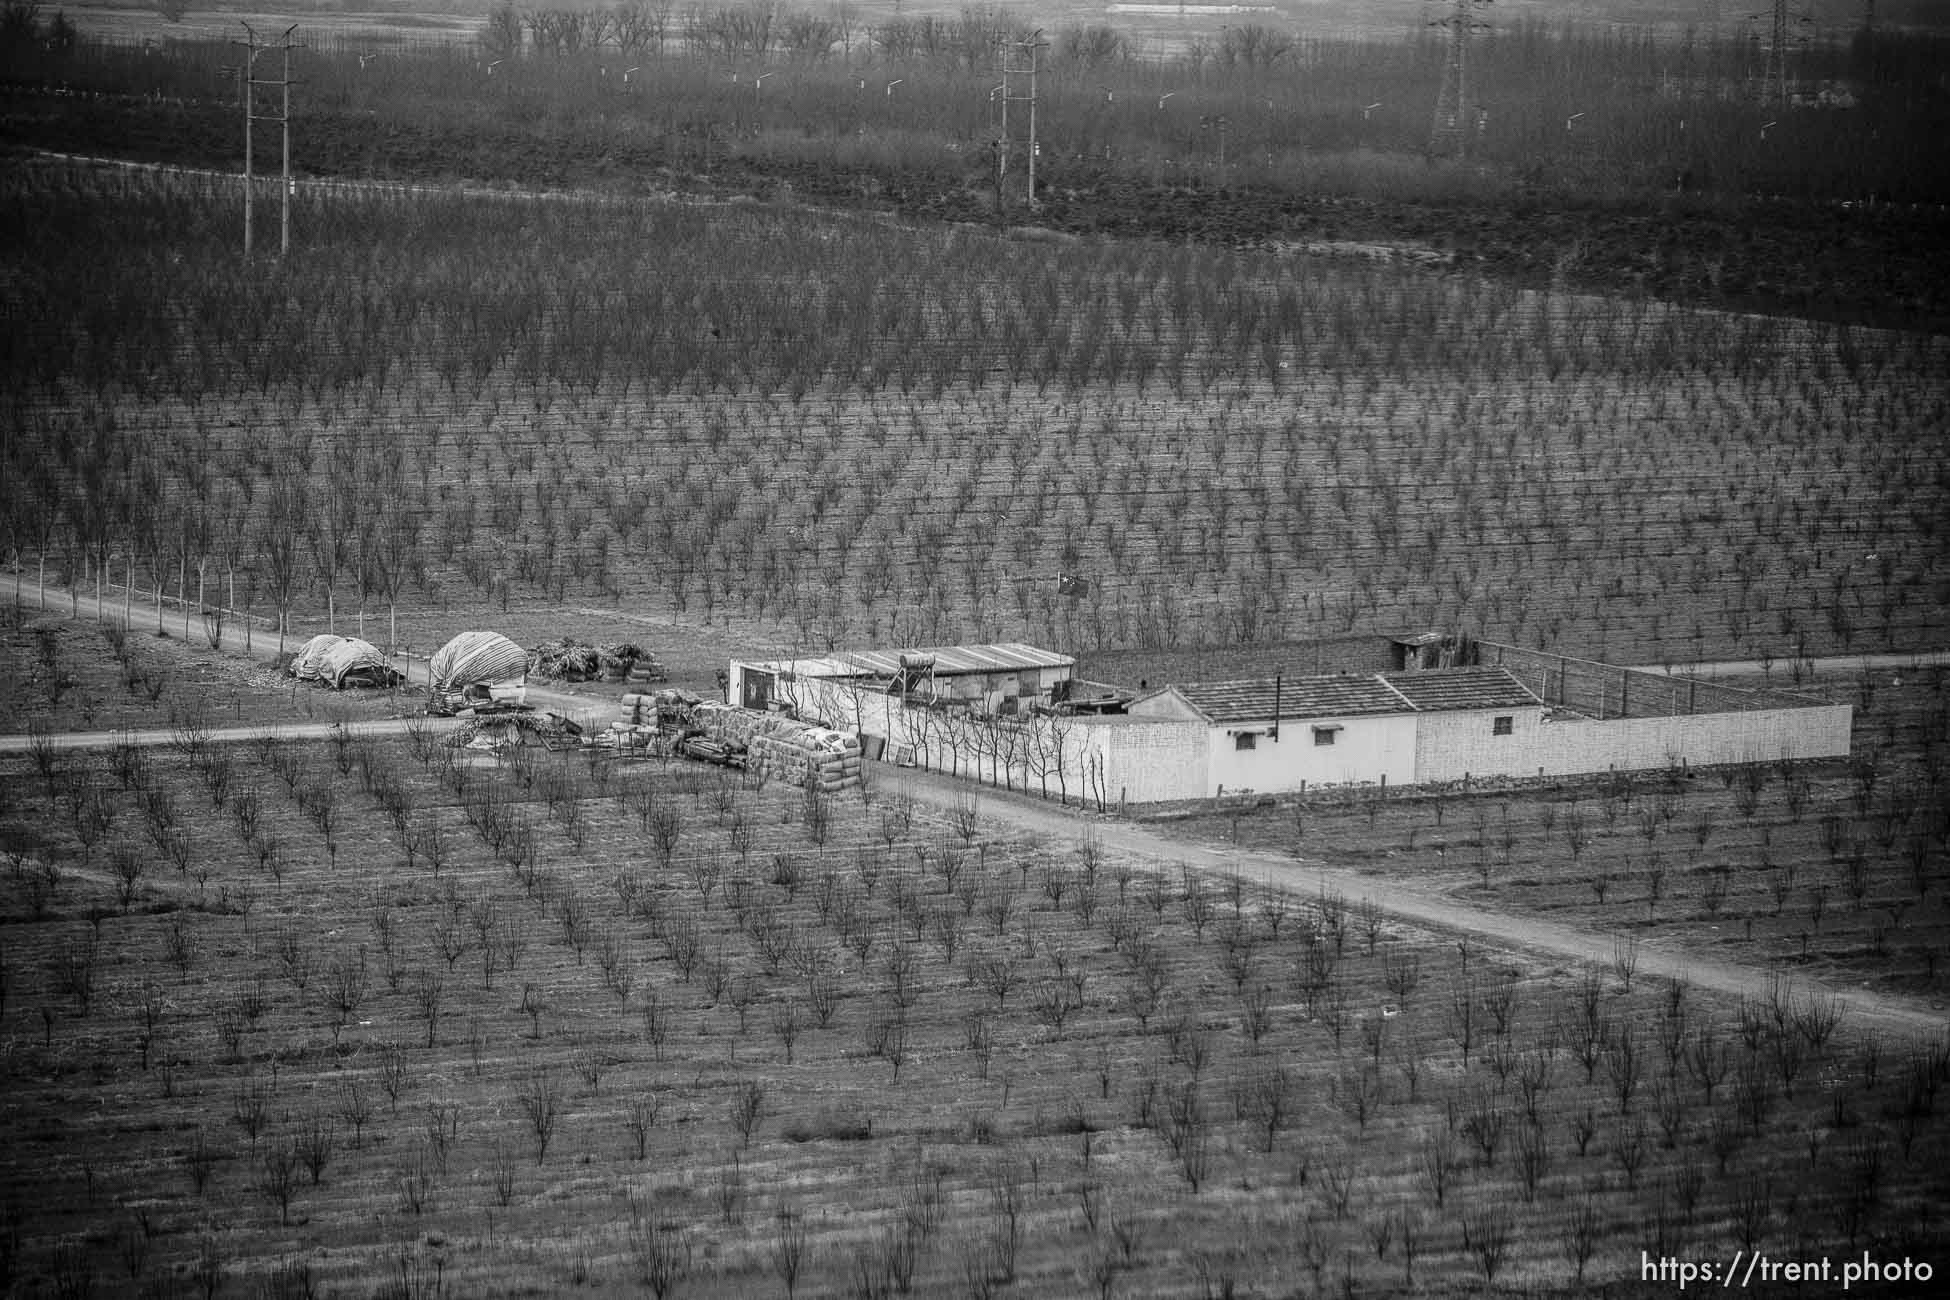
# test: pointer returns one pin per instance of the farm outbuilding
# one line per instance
(1005, 679)
(1275, 735)
(1504, 713)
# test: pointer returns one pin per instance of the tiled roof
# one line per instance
(1462, 688)
(1251, 700)
(1351, 695)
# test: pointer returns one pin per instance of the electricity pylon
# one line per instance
(1774, 77)
(249, 81)
(1449, 133)
(1014, 73)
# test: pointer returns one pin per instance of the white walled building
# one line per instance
(1271, 735)
(1004, 678)
(989, 713)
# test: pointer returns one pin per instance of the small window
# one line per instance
(1245, 740)
(1503, 726)
(1325, 735)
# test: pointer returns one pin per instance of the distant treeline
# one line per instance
(1550, 108)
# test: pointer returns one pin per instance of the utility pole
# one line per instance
(1014, 72)
(248, 82)
(1447, 133)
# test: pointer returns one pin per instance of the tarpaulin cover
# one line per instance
(477, 657)
(349, 656)
(308, 661)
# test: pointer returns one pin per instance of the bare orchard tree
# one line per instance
(790, 1246)
(540, 1098)
(287, 504)
(429, 987)
(660, 1253)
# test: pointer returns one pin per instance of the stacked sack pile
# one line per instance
(649, 715)
(784, 749)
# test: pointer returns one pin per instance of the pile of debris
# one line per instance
(570, 660)
(497, 732)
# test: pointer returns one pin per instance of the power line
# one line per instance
(248, 83)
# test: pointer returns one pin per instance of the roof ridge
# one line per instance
(1390, 686)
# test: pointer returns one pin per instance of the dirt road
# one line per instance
(1403, 899)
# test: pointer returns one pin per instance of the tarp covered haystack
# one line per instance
(783, 748)
(353, 662)
(569, 660)
(484, 657)
(308, 660)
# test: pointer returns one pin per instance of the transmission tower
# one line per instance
(1774, 73)
(1017, 66)
(1449, 133)
(249, 85)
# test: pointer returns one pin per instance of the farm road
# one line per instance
(1402, 899)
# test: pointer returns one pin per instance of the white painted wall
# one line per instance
(1365, 749)
(1138, 760)
(1452, 746)
(1158, 759)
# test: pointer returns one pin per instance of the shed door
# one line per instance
(757, 691)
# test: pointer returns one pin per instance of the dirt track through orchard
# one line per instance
(1864, 1008)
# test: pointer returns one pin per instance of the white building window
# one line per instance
(1325, 735)
(1246, 740)
(1503, 726)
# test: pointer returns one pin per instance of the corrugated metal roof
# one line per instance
(810, 666)
(949, 660)
(1443, 689)
(1351, 695)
